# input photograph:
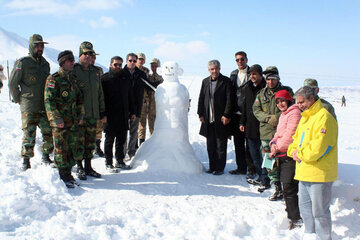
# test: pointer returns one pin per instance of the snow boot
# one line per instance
(278, 194)
(98, 150)
(89, 170)
(80, 172)
(252, 181)
(26, 164)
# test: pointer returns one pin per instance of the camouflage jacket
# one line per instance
(88, 80)
(27, 82)
(63, 100)
(264, 106)
(145, 70)
(154, 80)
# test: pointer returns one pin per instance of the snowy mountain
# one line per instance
(13, 47)
(138, 205)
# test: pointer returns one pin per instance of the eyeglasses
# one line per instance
(240, 59)
(134, 61)
(141, 59)
(88, 53)
(117, 64)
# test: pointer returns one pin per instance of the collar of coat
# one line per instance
(312, 109)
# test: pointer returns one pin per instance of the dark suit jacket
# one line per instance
(119, 102)
(223, 105)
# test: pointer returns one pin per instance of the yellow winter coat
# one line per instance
(316, 140)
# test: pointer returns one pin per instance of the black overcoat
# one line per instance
(119, 101)
(223, 105)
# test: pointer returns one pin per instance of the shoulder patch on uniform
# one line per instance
(51, 85)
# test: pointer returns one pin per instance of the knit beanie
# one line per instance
(284, 95)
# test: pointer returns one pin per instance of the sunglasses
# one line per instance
(88, 53)
(240, 59)
(117, 64)
(134, 61)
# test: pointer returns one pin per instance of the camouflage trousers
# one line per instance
(273, 174)
(99, 129)
(66, 146)
(29, 123)
(148, 112)
(86, 139)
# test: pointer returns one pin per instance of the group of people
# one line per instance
(71, 105)
(300, 138)
(295, 134)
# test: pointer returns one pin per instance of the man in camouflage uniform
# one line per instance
(149, 107)
(266, 111)
(314, 84)
(65, 110)
(88, 79)
(26, 85)
(99, 124)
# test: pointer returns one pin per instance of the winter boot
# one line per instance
(109, 166)
(278, 194)
(263, 187)
(89, 170)
(98, 150)
(26, 164)
(45, 160)
(80, 172)
(141, 141)
(65, 177)
(295, 224)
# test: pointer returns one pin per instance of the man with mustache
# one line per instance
(26, 85)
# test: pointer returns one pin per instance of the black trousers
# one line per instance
(119, 137)
(242, 153)
(290, 187)
(216, 148)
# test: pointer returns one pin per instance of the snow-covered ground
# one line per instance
(138, 205)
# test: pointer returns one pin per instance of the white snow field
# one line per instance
(164, 205)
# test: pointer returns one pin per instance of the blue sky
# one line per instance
(318, 39)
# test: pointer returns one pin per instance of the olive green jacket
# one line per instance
(27, 82)
(265, 106)
(328, 107)
(63, 100)
(88, 80)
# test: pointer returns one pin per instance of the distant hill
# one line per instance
(13, 46)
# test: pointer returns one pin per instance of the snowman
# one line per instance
(169, 148)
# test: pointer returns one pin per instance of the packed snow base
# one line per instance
(163, 205)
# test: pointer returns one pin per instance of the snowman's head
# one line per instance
(170, 71)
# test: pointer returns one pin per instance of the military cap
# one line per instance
(141, 55)
(271, 69)
(155, 60)
(65, 55)
(256, 68)
(311, 82)
(86, 47)
(36, 38)
(271, 72)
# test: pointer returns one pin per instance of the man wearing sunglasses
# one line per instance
(137, 79)
(119, 105)
(239, 77)
(26, 85)
(88, 79)
(99, 124)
